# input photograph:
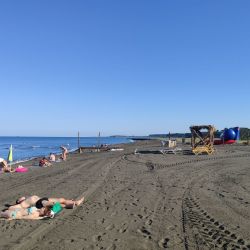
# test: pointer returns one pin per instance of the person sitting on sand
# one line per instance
(64, 153)
(30, 213)
(4, 166)
(52, 157)
(39, 202)
(44, 162)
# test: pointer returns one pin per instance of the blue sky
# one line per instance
(123, 67)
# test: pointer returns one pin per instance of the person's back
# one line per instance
(52, 157)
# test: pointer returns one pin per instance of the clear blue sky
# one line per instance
(130, 67)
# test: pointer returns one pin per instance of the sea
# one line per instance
(26, 148)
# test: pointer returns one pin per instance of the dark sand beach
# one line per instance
(142, 201)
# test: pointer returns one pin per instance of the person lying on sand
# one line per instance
(44, 163)
(31, 213)
(39, 202)
(4, 166)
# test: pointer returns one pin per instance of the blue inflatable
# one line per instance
(237, 132)
(229, 134)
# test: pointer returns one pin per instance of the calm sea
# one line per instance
(25, 148)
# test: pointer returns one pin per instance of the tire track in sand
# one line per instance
(26, 243)
(203, 230)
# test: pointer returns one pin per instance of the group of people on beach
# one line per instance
(44, 162)
(36, 208)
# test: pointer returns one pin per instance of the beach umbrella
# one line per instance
(10, 155)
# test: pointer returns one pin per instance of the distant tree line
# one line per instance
(174, 135)
(244, 133)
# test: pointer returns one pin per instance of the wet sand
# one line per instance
(142, 201)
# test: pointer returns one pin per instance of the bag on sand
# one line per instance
(56, 209)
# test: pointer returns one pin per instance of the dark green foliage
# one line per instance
(174, 135)
(244, 133)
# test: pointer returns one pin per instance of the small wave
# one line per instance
(23, 160)
(73, 149)
(35, 146)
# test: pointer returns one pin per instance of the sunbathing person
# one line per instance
(44, 163)
(39, 202)
(52, 157)
(31, 213)
(4, 166)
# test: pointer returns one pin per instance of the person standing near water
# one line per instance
(64, 153)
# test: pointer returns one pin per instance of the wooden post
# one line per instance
(183, 140)
(98, 143)
(248, 137)
(79, 147)
(78, 139)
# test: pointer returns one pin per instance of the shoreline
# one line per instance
(14, 163)
(37, 158)
(25, 148)
(58, 153)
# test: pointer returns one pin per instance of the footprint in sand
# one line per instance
(111, 247)
(101, 221)
(163, 243)
(144, 209)
(113, 214)
(91, 247)
(110, 227)
(122, 230)
(146, 233)
(140, 216)
(133, 204)
(97, 238)
(149, 222)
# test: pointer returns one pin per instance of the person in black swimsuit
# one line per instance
(39, 202)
